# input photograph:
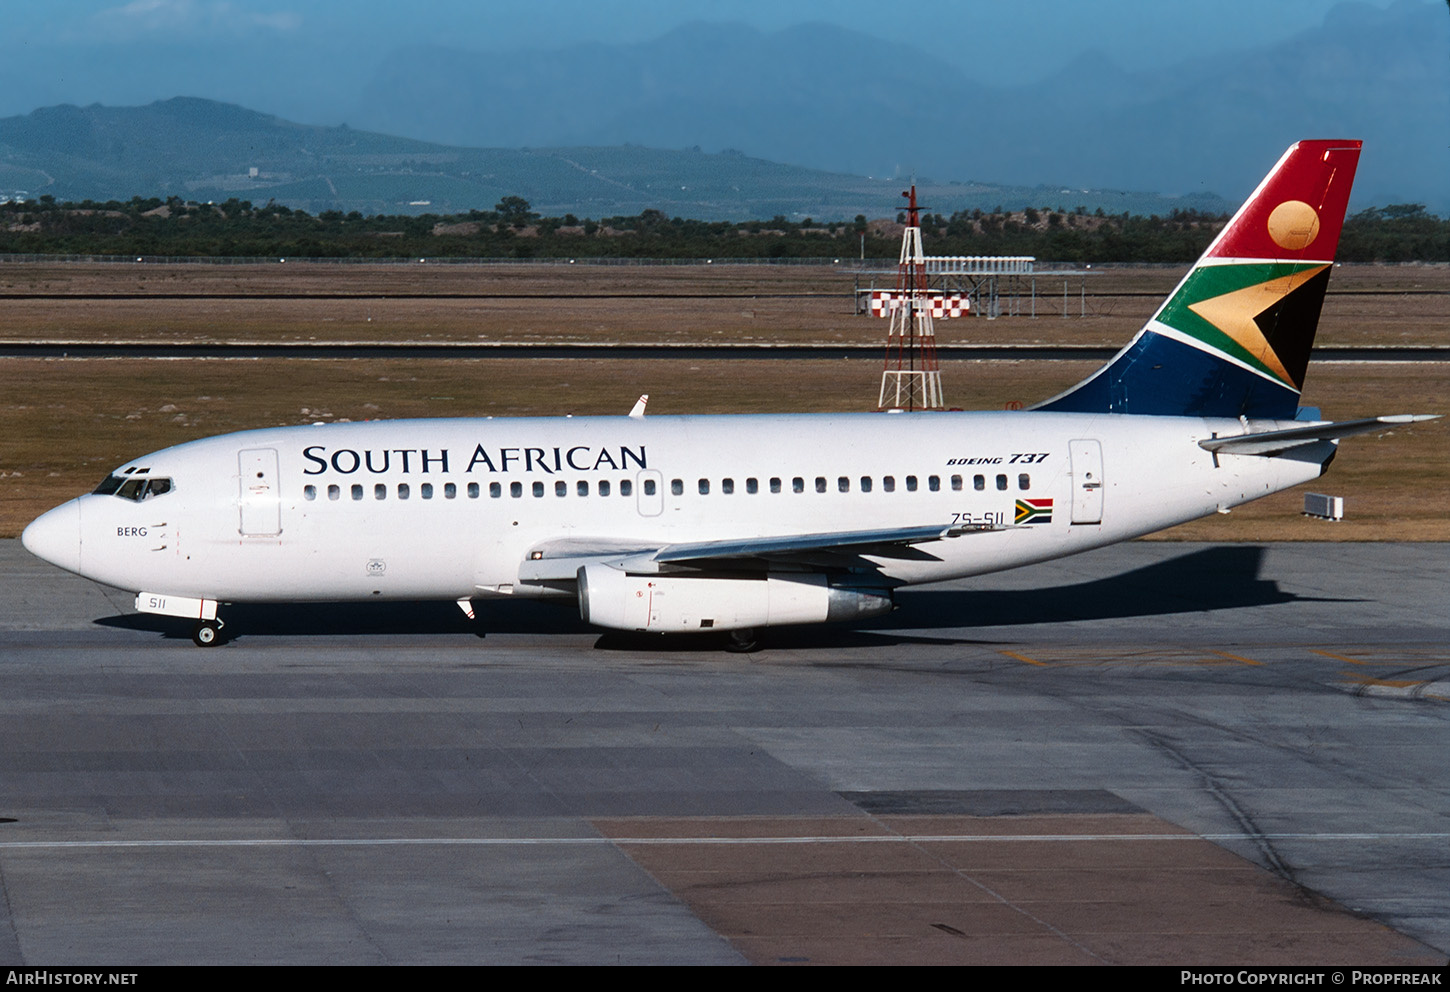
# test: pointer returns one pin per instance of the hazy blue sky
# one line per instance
(333, 61)
(1005, 41)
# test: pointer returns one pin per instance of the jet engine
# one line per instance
(611, 597)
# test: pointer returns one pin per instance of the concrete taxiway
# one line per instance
(1155, 753)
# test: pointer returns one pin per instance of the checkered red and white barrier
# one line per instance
(939, 305)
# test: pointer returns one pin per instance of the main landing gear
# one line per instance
(742, 641)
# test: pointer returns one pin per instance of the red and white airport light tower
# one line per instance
(911, 377)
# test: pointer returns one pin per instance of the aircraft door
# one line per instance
(651, 490)
(260, 500)
(1087, 481)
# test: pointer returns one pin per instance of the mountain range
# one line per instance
(207, 151)
(828, 98)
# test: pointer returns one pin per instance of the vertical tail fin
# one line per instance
(1234, 338)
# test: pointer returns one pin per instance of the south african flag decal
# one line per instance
(1034, 511)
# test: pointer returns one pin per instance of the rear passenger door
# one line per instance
(1087, 481)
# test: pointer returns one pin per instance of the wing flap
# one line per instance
(561, 560)
(774, 547)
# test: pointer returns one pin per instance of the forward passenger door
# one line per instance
(260, 501)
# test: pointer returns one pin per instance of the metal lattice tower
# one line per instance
(911, 376)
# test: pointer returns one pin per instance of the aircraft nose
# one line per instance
(56, 536)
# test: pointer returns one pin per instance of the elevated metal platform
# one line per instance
(997, 285)
(978, 265)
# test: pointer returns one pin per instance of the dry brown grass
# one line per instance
(657, 304)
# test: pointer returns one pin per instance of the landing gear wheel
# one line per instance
(207, 633)
(742, 641)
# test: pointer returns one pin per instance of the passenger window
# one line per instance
(582, 488)
(310, 492)
(865, 483)
(561, 488)
(677, 487)
(1024, 481)
(626, 488)
(333, 492)
(752, 486)
(843, 484)
(888, 484)
(516, 489)
(449, 490)
(727, 487)
(820, 483)
(911, 483)
(426, 490)
(357, 492)
(797, 485)
(775, 485)
(495, 491)
(538, 488)
(473, 490)
(704, 486)
(979, 482)
(956, 483)
(380, 491)
(1002, 482)
(649, 487)
(403, 491)
(604, 487)
(933, 482)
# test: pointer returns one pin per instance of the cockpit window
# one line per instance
(135, 488)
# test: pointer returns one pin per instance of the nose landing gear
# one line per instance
(207, 633)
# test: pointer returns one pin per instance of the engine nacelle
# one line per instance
(610, 597)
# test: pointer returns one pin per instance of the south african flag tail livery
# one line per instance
(1233, 339)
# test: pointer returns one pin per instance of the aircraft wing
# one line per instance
(557, 561)
(1275, 442)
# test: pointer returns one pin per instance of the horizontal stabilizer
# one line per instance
(1274, 442)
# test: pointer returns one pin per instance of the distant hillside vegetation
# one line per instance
(238, 228)
(200, 150)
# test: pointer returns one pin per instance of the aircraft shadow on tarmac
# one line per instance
(1217, 578)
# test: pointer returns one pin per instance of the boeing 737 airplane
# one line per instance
(733, 523)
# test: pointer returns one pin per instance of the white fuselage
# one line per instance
(450, 509)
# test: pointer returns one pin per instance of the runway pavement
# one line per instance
(1155, 753)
